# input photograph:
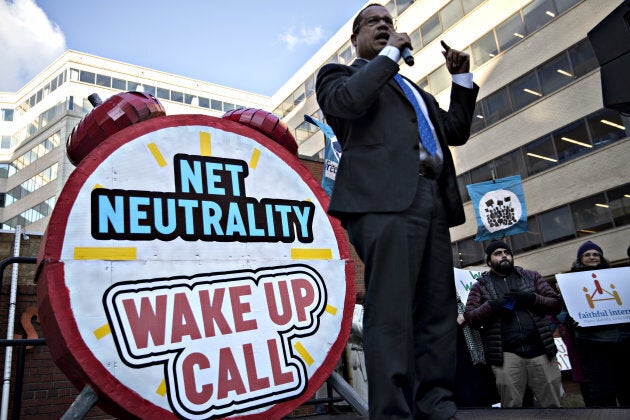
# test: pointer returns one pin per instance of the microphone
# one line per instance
(406, 55)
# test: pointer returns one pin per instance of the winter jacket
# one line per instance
(479, 314)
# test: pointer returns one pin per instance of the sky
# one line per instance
(252, 45)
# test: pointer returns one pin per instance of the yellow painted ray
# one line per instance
(102, 331)
(311, 253)
(157, 155)
(205, 144)
(105, 253)
(303, 353)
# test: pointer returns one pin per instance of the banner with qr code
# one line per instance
(499, 207)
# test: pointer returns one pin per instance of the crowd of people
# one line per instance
(516, 312)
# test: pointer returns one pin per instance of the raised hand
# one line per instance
(456, 61)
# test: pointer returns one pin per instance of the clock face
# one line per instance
(190, 270)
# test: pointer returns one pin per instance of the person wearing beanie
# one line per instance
(508, 305)
(589, 256)
(599, 354)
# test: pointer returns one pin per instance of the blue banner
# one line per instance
(499, 207)
(332, 154)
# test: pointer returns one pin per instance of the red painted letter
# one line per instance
(272, 303)
(147, 322)
(190, 385)
(240, 308)
(184, 322)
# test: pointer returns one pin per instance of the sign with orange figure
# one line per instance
(598, 297)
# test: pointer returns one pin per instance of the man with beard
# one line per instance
(509, 304)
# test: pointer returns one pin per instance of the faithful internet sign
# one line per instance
(597, 297)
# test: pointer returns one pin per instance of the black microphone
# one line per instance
(406, 55)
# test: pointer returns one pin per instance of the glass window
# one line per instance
(470, 252)
(619, 201)
(216, 105)
(163, 93)
(309, 85)
(430, 29)
(40, 95)
(526, 241)
(524, 90)
(606, 126)
(402, 5)
(346, 54)
(439, 79)
(103, 80)
(149, 89)
(462, 181)
(556, 225)
(6, 142)
(510, 32)
(540, 155)
(7, 114)
(591, 215)
(53, 84)
(470, 4)
(204, 102)
(538, 13)
(87, 77)
(478, 121)
(583, 58)
(563, 5)
(555, 73)
(74, 74)
(4, 170)
(416, 42)
(189, 99)
(482, 173)
(497, 106)
(510, 164)
(177, 96)
(228, 106)
(572, 141)
(451, 13)
(298, 95)
(133, 86)
(484, 49)
(119, 84)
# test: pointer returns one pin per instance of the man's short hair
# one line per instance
(356, 23)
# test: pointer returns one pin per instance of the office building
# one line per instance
(539, 115)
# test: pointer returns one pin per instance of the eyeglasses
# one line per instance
(372, 21)
(591, 255)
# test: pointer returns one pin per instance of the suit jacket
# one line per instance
(377, 128)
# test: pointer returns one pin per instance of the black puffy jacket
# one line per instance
(479, 314)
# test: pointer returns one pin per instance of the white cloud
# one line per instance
(306, 36)
(29, 42)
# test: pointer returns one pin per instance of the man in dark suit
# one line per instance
(397, 198)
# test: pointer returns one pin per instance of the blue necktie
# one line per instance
(426, 135)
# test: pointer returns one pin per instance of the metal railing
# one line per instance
(19, 343)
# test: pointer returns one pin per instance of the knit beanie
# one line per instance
(493, 246)
(588, 245)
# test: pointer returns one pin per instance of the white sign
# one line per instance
(597, 297)
(464, 280)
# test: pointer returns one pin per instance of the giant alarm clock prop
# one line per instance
(189, 269)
